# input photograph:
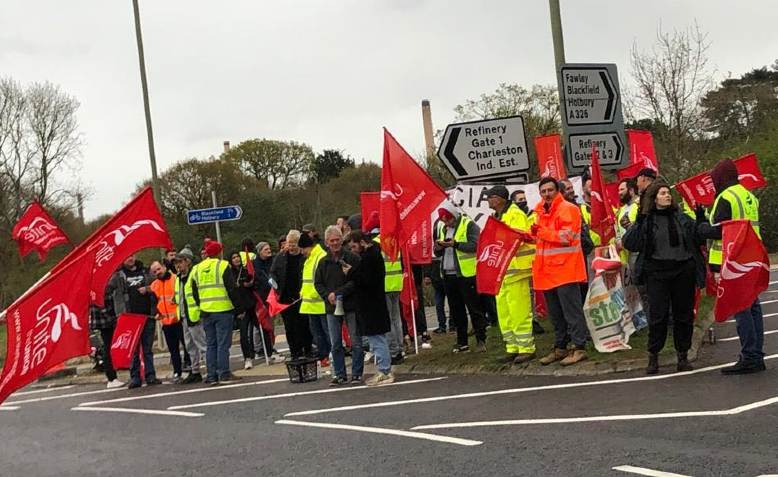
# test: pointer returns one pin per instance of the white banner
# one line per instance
(471, 198)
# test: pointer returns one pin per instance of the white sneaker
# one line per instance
(277, 358)
(369, 357)
(248, 364)
(115, 384)
(379, 379)
(426, 346)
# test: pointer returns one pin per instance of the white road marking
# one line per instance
(303, 393)
(773, 282)
(625, 417)
(9, 408)
(64, 396)
(47, 390)
(383, 430)
(511, 391)
(649, 472)
(768, 302)
(187, 391)
(732, 320)
(733, 338)
(154, 412)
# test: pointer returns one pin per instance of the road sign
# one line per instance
(215, 214)
(488, 149)
(591, 114)
(609, 146)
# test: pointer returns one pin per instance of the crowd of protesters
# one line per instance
(342, 294)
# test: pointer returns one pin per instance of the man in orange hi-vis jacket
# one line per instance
(167, 313)
(557, 271)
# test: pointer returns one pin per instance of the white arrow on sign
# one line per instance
(609, 146)
(485, 149)
(590, 95)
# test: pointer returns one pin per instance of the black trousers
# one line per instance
(298, 332)
(246, 328)
(671, 289)
(463, 299)
(421, 317)
(107, 335)
(174, 336)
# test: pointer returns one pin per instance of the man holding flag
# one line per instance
(733, 202)
(514, 303)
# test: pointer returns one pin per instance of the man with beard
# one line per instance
(627, 214)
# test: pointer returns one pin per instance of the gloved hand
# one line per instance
(699, 214)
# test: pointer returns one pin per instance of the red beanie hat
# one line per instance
(212, 248)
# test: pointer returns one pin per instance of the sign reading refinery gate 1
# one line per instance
(488, 149)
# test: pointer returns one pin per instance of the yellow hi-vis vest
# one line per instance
(213, 294)
(246, 257)
(586, 216)
(191, 305)
(744, 205)
(630, 210)
(393, 282)
(467, 261)
(521, 263)
(312, 303)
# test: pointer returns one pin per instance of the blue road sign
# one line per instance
(215, 214)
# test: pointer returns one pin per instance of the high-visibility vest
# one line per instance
(744, 205)
(558, 254)
(629, 210)
(192, 310)
(243, 257)
(521, 263)
(393, 281)
(165, 290)
(467, 261)
(213, 294)
(586, 216)
(312, 303)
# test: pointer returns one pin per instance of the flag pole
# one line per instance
(262, 336)
(415, 334)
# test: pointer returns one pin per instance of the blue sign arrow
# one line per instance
(215, 214)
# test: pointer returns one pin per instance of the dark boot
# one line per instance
(683, 363)
(653, 364)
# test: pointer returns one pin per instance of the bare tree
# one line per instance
(671, 79)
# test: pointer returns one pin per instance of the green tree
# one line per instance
(328, 165)
(277, 164)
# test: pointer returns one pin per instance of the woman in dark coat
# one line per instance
(671, 266)
(372, 315)
(244, 309)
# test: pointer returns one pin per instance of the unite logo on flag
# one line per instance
(117, 236)
(40, 231)
(123, 341)
(493, 254)
(48, 327)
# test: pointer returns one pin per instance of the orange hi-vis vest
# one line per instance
(559, 258)
(165, 290)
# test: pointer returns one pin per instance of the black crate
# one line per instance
(303, 370)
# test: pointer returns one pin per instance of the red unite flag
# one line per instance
(641, 149)
(260, 310)
(138, 225)
(745, 269)
(126, 337)
(548, 150)
(612, 191)
(699, 189)
(37, 231)
(497, 245)
(409, 299)
(48, 325)
(409, 197)
(603, 218)
(369, 203)
(274, 306)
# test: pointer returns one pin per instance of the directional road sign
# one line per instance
(591, 114)
(489, 149)
(215, 214)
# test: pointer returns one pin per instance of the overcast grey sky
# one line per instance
(329, 73)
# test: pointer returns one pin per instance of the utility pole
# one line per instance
(556, 34)
(145, 87)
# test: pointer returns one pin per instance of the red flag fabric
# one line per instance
(126, 337)
(419, 245)
(37, 231)
(260, 310)
(408, 293)
(274, 306)
(630, 172)
(369, 202)
(699, 189)
(548, 150)
(641, 149)
(603, 218)
(745, 269)
(138, 225)
(496, 247)
(48, 325)
(409, 196)
(612, 191)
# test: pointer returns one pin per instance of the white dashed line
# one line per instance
(649, 472)
(153, 412)
(383, 430)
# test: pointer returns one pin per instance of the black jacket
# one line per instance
(244, 295)
(278, 272)
(262, 270)
(636, 240)
(329, 278)
(368, 277)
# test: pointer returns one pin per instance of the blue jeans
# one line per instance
(440, 304)
(146, 342)
(750, 329)
(334, 323)
(218, 340)
(380, 347)
(321, 335)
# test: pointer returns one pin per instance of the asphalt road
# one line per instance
(691, 424)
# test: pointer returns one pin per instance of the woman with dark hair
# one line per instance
(244, 309)
(670, 265)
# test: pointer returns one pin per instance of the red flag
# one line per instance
(612, 191)
(408, 292)
(370, 202)
(36, 230)
(138, 225)
(419, 245)
(496, 247)
(699, 189)
(274, 306)
(548, 150)
(126, 337)
(641, 149)
(409, 196)
(745, 269)
(748, 172)
(602, 213)
(48, 326)
(630, 172)
(260, 310)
